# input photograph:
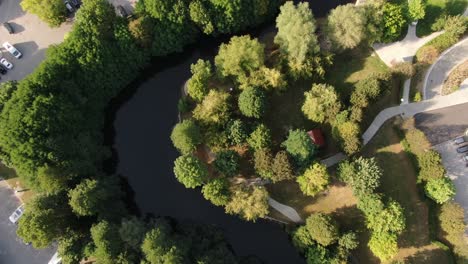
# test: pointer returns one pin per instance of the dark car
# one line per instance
(459, 140)
(8, 27)
(462, 149)
(122, 12)
(3, 70)
(75, 3)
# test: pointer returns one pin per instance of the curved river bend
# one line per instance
(145, 157)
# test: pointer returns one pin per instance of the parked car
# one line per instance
(462, 149)
(12, 50)
(459, 140)
(6, 63)
(122, 12)
(465, 158)
(16, 215)
(8, 27)
(3, 70)
(55, 259)
(75, 3)
(69, 7)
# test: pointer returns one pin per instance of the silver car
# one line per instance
(459, 140)
(12, 50)
(6, 63)
(16, 215)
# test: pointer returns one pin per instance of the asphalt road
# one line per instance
(12, 249)
(443, 124)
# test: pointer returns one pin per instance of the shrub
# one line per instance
(321, 103)
(314, 180)
(217, 191)
(393, 21)
(190, 171)
(186, 136)
(347, 134)
(214, 109)
(405, 70)
(263, 160)
(427, 54)
(227, 162)
(430, 166)
(184, 105)
(451, 219)
(197, 85)
(237, 132)
(383, 245)
(416, 9)
(300, 147)
(260, 137)
(322, 228)
(252, 102)
(417, 97)
(440, 190)
(281, 167)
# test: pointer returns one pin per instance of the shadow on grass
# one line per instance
(434, 255)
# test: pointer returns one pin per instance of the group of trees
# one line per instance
(321, 241)
(385, 220)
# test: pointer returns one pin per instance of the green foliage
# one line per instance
(348, 241)
(159, 247)
(216, 138)
(347, 133)
(227, 162)
(44, 220)
(322, 228)
(240, 57)
(266, 78)
(456, 25)
(184, 105)
(390, 219)
(263, 160)
(260, 137)
(363, 174)
(440, 190)
(237, 132)
(321, 103)
(365, 90)
(186, 136)
(370, 204)
(142, 30)
(393, 21)
(346, 26)
(282, 168)
(383, 245)
(451, 219)
(197, 85)
(249, 202)
(53, 12)
(190, 171)
(302, 239)
(430, 166)
(50, 180)
(217, 191)
(300, 147)
(6, 91)
(71, 247)
(252, 102)
(107, 242)
(405, 70)
(314, 180)
(296, 36)
(416, 9)
(214, 109)
(317, 254)
(132, 231)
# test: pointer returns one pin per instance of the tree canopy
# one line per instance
(346, 26)
(252, 102)
(197, 85)
(190, 171)
(363, 174)
(249, 202)
(314, 180)
(322, 228)
(53, 12)
(214, 109)
(440, 190)
(321, 103)
(300, 147)
(186, 136)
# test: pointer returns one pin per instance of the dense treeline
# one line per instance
(52, 131)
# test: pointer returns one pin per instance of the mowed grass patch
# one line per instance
(436, 9)
(399, 183)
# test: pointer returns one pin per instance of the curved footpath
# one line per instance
(439, 71)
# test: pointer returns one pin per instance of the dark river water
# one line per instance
(145, 155)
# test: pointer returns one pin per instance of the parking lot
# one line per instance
(12, 249)
(32, 37)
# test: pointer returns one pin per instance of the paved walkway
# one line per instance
(330, 161)
(439, 71)
(406, 92)
(287, 211)
(403, 50)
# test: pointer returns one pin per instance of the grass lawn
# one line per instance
(399, 183)
(436, 9)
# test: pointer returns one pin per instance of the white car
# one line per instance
(12, 50)
(6, 63)
(16, 215)
(55, 259)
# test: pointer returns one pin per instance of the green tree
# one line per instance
(393, 21)
(416, 9)
(347, 133)
(317, 254)
(322, 228)
(132, 231)
(348, 241)
(451, 219)
(263, 160)
(314, 180)
(107, 242)
(430, 166)
(217, 191)
(159, 247)
(6, 91)
(371, 204)
(383, 245)
(302, 239)
(200, 14)
(363, 174)
(365, 90)
(300, 147)
(252, 102)
(237, 132)
(142, 30)
(197, 85)
(186, 136)
(53, 12)
(346, 26)
(440, 190)
(249, 202)
(390, 219)
(240, 57)
(227, 162)
(71, 247)
(260, 137)
(51, 181)
(44, 220)
(321, 103)
(214, 109)
(190, 171)
(282, 168)
(296, 36)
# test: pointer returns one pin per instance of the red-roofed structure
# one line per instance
(316, 136)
